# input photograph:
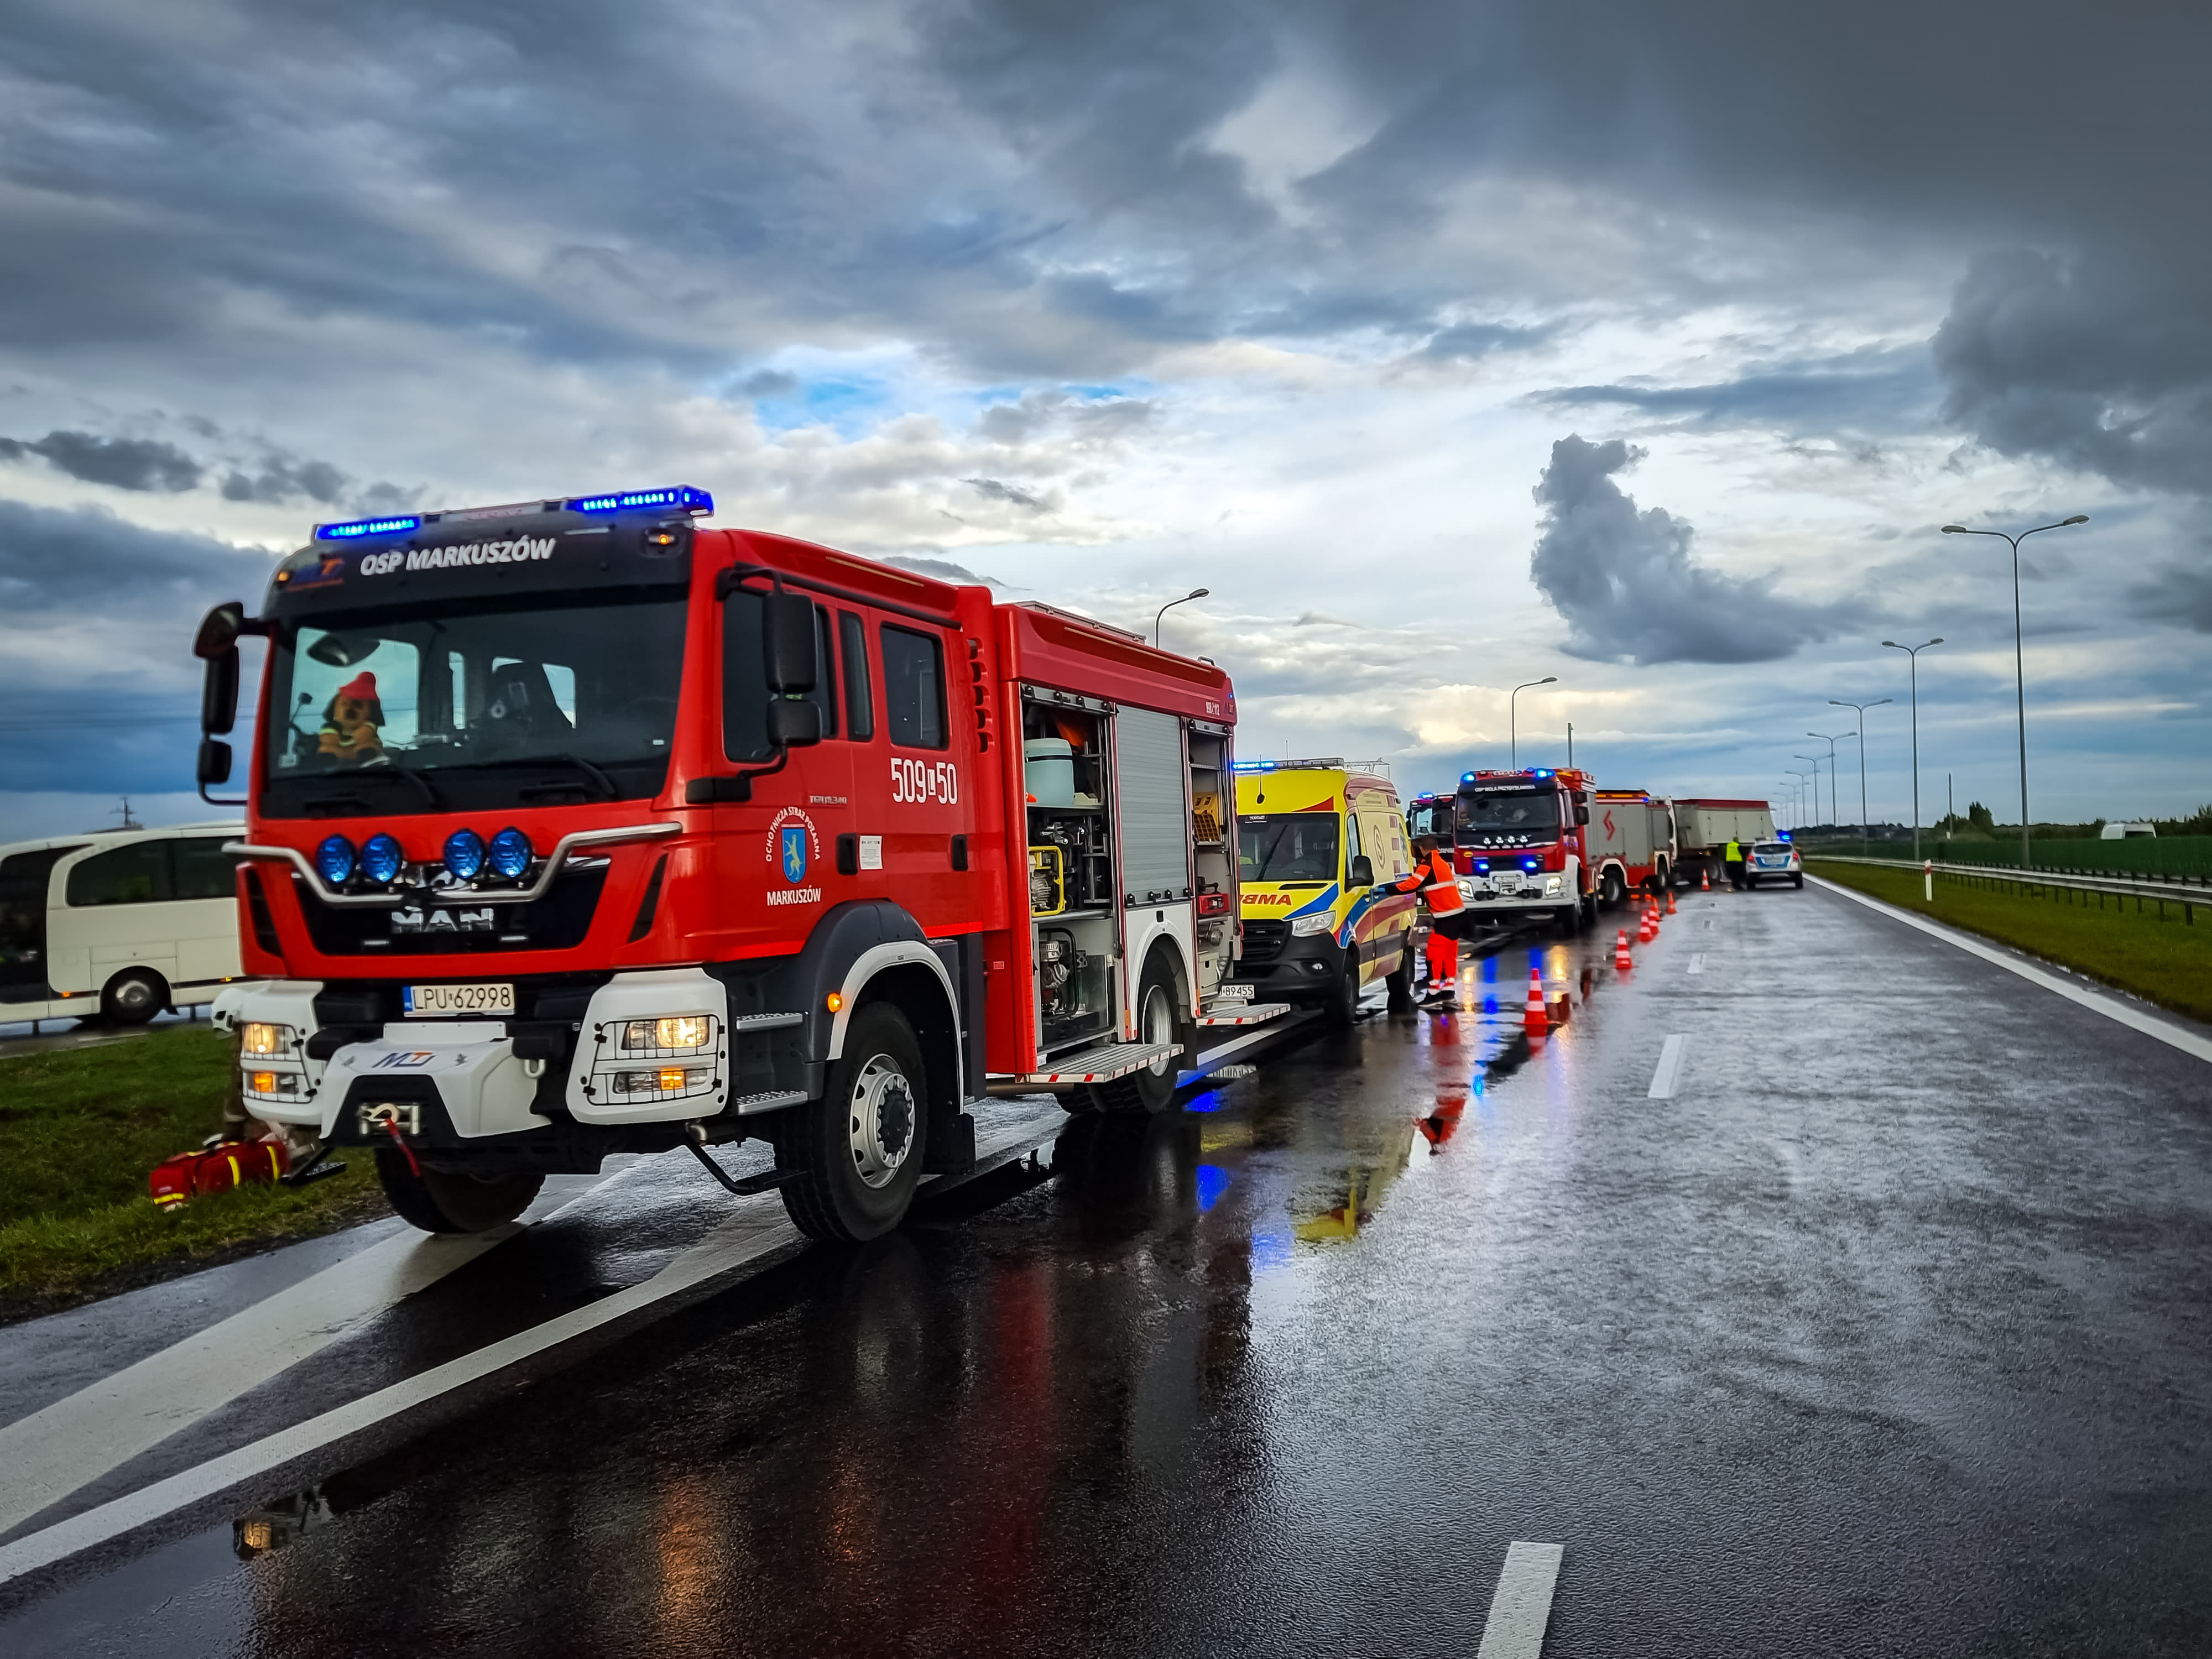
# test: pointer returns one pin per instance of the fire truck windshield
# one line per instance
(1286, 847)
(474, 705)
(1508, 817)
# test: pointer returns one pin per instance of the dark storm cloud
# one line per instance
(123, 463)
(52, 560)
(1466, 343)
(1013, 495)
(2178, 593)
(1626, 585)
(284, 479)
(1884, 389)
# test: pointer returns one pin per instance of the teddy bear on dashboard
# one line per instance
(350, 723)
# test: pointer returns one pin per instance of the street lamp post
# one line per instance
(1837, 703)
(1912, 653)
(1512, 721)
(2019, 652)
(1816, 759)
(1801, 776)
(1835, 782)
(1194, 594)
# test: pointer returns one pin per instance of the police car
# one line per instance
(1772, 860)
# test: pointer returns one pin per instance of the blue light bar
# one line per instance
(1540, 772)
(681, 497)
(1252, 766)
(356, 527)
(1467, 777)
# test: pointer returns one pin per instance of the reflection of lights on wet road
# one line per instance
(1211, 1101)
(1212, 1181)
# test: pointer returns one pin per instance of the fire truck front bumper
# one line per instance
(1514, 891)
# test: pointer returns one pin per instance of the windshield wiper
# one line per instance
(377, 769)
(607, 789)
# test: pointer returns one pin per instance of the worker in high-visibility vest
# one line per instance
(1437, 882)
(1732, 856)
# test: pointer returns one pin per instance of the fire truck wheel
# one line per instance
(1151, 1088)
(439, 1201)
(856, 1152)
(1400, 981)
(1611, 890)
(133, 997)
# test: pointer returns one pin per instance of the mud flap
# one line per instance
(951, 1146)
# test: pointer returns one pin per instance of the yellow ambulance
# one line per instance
(1317, 844)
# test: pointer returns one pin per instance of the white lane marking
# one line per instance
(1670, 1068)
(2110, 1007)
(1697, 962)
(45, 1456)
(1522, 1606)
(756, 1228)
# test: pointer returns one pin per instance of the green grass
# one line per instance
(2167, 961)
(2161, 855)
(80, 1128)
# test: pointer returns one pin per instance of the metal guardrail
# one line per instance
(2188, 892)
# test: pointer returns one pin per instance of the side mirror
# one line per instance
(1582, 812)
(792, 723)
(214, 762)
(219, 630)
(788, 647)
(219, 695)
(1363, 870)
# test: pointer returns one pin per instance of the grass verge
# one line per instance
(2166, 962)
(79, 1130)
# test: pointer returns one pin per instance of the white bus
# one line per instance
(119, 923)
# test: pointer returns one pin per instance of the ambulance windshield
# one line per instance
(475, 704)
(1286, 847)
(1508, 815)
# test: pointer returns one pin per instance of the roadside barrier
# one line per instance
(2185, 896)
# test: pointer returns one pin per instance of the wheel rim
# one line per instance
(1156, 1025)
(133, 995)
(879, 1120)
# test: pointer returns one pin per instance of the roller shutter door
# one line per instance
(1149, 779)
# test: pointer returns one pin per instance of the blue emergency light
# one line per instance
(358, 527)
(1252, 766)
(1528, 864)
(1783, 835)
(681, 497)
(1467, 777)
(1540, 772)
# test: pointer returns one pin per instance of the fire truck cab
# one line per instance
(1520, 841)
(575, 826)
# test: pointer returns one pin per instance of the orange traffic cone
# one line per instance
(1670, 903)
(1705, 878)
(1644, 931)
(1538, 1020)
(1621, 959)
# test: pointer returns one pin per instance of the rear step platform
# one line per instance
(1104, 1065)
(1241, 1013)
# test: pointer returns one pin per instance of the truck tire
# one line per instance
(854, 1155)
(133, 997)
(1611, 889)
(1586, 910)
(437, 1201)
(1151, 1088)
(1400, 980)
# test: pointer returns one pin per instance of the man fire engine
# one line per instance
(576, 827)
(1519, 844)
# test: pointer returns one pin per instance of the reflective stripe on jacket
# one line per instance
(1438, 884)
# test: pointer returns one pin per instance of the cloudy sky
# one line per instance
(1449, 345)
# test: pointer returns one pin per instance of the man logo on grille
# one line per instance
(794, 854)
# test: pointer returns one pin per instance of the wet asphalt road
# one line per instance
(1888, 1333)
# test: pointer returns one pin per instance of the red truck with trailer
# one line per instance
(1632, 842)
(1521, 842)
(575, 826)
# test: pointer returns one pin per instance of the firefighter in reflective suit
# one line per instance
(1433, 877)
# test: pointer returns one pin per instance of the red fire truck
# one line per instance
(1632, 842)
(576, 827)
(1520, 845)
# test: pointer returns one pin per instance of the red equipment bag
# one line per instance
(216, 1169)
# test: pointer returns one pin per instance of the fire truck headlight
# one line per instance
(684, 1031)
(1552, 886)
(465, 854)
(258, 1039)
(510, 853)
(1466, 888)
(381, 858)
(334, 858)
(1310, 927)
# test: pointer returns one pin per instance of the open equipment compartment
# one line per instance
(1214, 856)
(1074, 898)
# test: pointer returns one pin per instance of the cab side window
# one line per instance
(914, 687)
(745, 677)
(860, 696)
(824, 695)
(1352, 849)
